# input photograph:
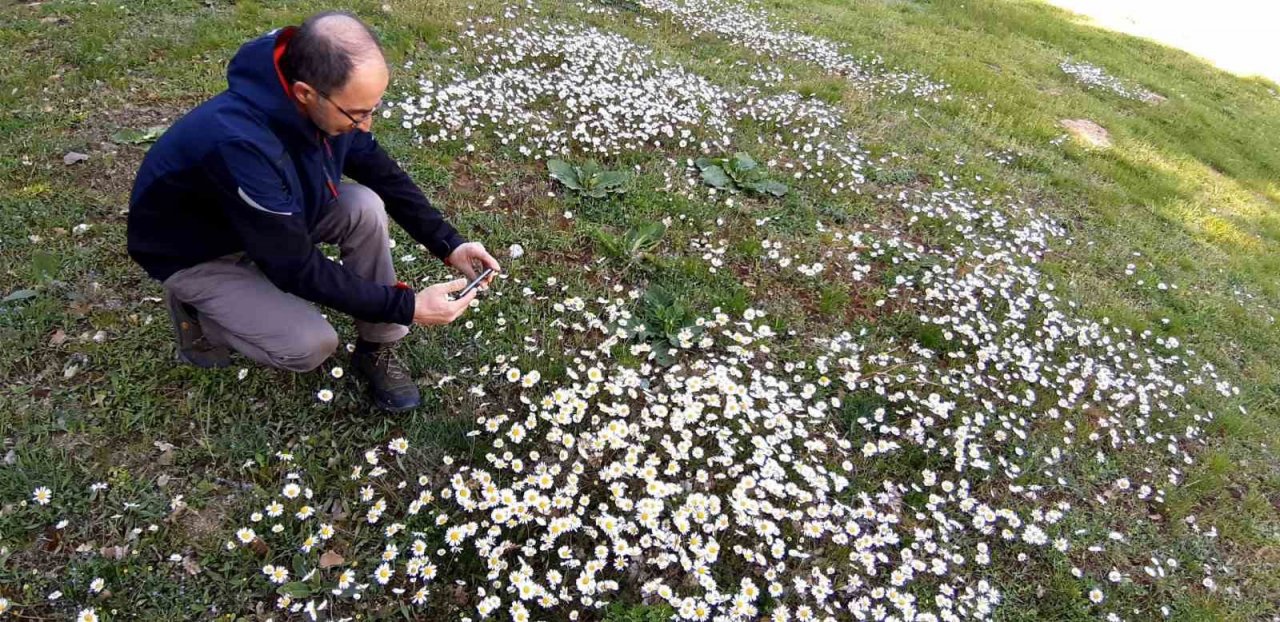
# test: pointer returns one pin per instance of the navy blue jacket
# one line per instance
(247, 171)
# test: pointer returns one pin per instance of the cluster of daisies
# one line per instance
(547, 89)
(1095, 77)
(863, 476)
(757, 30)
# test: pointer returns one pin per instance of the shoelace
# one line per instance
(385, 359)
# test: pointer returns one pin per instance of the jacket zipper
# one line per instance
(328, 180)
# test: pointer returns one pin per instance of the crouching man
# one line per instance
(230, 203)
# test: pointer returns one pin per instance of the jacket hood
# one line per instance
(254, 75)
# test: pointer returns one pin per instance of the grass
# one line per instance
(1188, 194)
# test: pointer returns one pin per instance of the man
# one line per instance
(229, 204)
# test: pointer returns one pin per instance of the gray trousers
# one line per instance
(238, 307)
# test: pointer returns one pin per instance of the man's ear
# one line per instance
(302, 92)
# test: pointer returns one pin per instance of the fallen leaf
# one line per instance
(114, 552)
(190, 565)
(165, 459)
(74, 156)
(58, 337)
(21, 294)
(132, 136)
(259, 547)
(331, 559)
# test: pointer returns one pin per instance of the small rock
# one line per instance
(1087, 132)
(74, 156)
(81, 228)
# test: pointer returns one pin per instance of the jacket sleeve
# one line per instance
(369, 164)
(272, 226)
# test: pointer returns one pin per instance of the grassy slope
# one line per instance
(1192, 184)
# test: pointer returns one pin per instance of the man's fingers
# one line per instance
(461, 304)
(454, 285)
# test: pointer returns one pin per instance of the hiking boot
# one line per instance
(389, 382)
(193, 347)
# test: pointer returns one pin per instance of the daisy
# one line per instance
(383, 574)
(42, 495)
(398, 445)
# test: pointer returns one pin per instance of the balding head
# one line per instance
(336, 72)
(327, 49)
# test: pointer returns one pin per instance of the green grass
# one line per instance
(1192, 184)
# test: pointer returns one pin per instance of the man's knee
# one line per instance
(364, 207)
(306, 349)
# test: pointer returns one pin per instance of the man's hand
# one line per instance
(432, 306)
(471, 259)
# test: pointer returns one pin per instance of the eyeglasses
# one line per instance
(355, 123)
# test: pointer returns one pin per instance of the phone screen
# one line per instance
(474, 283)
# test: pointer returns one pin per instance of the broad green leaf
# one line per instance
(766, 186)
(715, 176)
(743, 162)
(564, 173)
(294, 589)
(657, 297)
(644, 238)
(703, 163)
(610, 180)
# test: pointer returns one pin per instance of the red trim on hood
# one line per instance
(282, 42)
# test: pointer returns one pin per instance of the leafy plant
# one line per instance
(668, 325)
(589, 179)
(740, 172)
(636, 244)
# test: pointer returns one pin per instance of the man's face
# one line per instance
(347, 109)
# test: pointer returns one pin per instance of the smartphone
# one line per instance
(472, 285)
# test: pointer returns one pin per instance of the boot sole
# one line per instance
(382, 405)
